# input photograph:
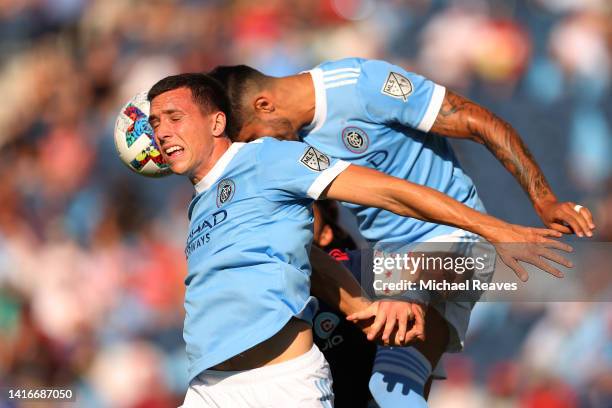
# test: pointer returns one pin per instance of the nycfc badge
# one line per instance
(225, 191)
(355, 139)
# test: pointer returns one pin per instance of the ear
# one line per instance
(326, 236)
(218, 124)
(263, 104)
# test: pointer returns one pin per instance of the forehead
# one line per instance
(179, 98)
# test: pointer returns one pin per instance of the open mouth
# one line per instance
(174, 151)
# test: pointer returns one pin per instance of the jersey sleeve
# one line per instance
(391, 94)
(295, 170)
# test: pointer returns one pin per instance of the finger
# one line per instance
(543, 265)
(561, 228)
(418, 329)
(570, 217)
(403, 316)
(547, 232)
(582, 222)
(379, 322)
(390, 324)
(418, 311)
(555, 257)
(419, 323)
(588, 215)
(551, 243)
(362, 314)
(517, 268)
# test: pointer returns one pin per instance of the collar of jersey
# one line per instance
(320, 101)
(219, 167)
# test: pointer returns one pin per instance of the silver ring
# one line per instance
(577, 208)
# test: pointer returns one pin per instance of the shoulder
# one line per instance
(344, 71)
(276, 152)
(378, 77)
(271, 144)
(377, 72)
(368, 68)
(257, 146)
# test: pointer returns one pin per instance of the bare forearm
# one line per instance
(371, 188)
(460, 117)
(430, 205)
(334, 284)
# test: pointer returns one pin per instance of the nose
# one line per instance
(162, 131)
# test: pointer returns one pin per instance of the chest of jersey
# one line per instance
(233, 223)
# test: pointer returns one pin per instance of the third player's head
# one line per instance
(261, 105)
(327, 233)
(189, 113)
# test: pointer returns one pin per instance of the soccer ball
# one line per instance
(134, 139)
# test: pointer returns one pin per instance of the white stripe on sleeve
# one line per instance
(340, 76)
(340, 83)
(325, 178)
(435, 103)
(338, 70)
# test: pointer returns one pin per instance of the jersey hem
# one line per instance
(207, 361)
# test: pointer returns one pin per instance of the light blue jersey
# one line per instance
(375, 114)
(247, 250)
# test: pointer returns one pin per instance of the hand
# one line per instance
(516, 243)
(564, 218)
(389, 313)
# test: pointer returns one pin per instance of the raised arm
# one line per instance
(461, 118)
(372, 188)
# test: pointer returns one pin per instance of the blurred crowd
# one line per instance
(91, 257)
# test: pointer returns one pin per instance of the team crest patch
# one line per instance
(325, 324)
(225, 191)
(355, 139)
(397, 86)
(314, 159)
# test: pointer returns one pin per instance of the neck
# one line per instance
(298, 96)
(221, 144)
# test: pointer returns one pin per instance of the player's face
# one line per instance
(183, 131)
(267, 125)
(322, 232)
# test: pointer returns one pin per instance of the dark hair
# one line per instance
(328, 209)
(239, 82)
(206, 92)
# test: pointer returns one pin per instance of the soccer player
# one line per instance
(248, 306)
(347, 350)
(352, 358)
(378, 115)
